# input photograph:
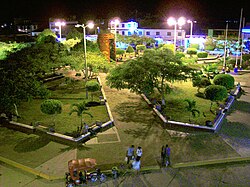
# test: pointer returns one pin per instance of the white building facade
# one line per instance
(160, 35)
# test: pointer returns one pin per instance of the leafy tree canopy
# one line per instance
(155, 69)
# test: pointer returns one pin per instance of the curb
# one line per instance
(28, 169)
(143, 170)
(212, 162)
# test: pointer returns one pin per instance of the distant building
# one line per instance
(64, 29)
(160, 35)
(25, 25)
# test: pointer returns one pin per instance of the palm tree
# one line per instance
(192, 108)
(80, 109)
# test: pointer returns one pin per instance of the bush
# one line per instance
(51, 106)
(215, 92)
(196, 46)
(202, 55)
(225, 80)
(191, 51)
(140, 47)
(120, 51)
(180, 55)
(130, 49)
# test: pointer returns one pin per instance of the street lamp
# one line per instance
(60, 24)
(172, 21)
(115, 23)
(225, 49)
(191, 27)
(89, 25)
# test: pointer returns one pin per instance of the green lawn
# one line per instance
(64, 123)
(175, 104)
(27, 149)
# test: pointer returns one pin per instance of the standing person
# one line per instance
(136, 165)
(130, 153)
(167, 152)
(139, 152)
(163, 155)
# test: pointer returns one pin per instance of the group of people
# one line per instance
(135, 156)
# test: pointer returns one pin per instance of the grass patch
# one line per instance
(30, 150)
(107, 137)
(175, 104)
(64, 123)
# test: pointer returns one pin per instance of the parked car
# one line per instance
(219, 52)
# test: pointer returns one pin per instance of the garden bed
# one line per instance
(64, 123)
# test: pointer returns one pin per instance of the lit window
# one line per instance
(129, 25)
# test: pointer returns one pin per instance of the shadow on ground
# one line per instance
(31, 144)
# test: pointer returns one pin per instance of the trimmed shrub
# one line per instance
(120, 51)
(130, 49)
(180, 55)
(225, 80)
(51, 106)
(196, 46)
(202, 55)
(191, 51)
(93, 86)
(215, 92)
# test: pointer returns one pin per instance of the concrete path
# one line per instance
(239, 144)
(58, 165)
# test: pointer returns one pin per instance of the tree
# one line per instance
(46, 35)
(19, 81)
(224, 80)
(93, 86)
(51, 107)
(70, 43)
(191, 107)
(80, 110)
(74, 34)
(155, 69)
(215, 93)
(210, 44)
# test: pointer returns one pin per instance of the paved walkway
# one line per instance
(242, 116)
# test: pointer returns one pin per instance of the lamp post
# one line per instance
(236, 58)
(172, 21)
(225, 49)
(60, 24)
(90, 25)
(191, 27)
(115, 23)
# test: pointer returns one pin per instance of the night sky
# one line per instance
(201, 10)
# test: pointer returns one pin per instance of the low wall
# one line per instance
(216, 124)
